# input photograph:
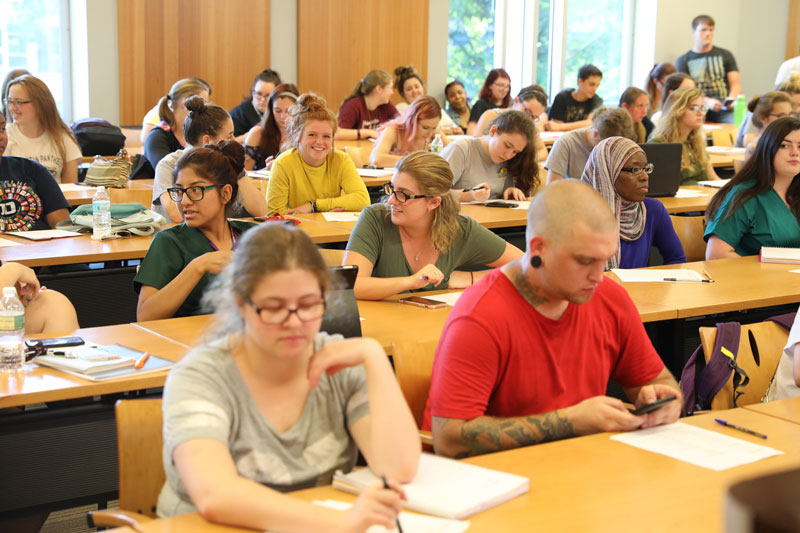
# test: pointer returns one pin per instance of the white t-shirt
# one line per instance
(786, 69)
(152, 117)
(445, 123)
(42, 149)
(784, 376)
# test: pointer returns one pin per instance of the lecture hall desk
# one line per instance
(594, 484)
(788, 410)
(140, 191)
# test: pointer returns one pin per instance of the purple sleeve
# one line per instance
(664, 237)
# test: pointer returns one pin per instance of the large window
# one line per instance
(470, 50)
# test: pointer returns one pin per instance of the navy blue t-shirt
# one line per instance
(28, 192)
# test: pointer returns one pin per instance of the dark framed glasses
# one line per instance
(195, 193)
(647, 169)
(278, 315)
(402, 197)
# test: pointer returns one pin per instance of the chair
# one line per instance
(141, 472)
(413, 365)
(331, 256)
(721, 137)
(737, 165)
(359, 154)
(770, 339)
(690, 231)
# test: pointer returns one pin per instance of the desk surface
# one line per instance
(687, 205)
(137, 190)
(595, 484)
(788, 409)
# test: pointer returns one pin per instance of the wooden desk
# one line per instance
(137, 191)
(788, 409)
(72, 250)
(595, 484)
(496, 217)
(722, 160)
(687, 205)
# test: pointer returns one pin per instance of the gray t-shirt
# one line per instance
(471, 166)
(746, 127)
(205, 397)
(569, 154)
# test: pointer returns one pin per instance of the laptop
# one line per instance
(666, 158)
(341, 310)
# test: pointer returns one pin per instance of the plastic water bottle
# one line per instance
(101, 214)
(739, 110)
(437, 144)
(12, 331)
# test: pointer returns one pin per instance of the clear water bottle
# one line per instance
(437, 144)
(12, 331)
(101, 214)
(739, 110)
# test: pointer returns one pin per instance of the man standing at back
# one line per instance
(527, 352)
(714, 71)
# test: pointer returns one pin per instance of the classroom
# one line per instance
(556, 242)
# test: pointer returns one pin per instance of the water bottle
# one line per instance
(437, 144)
(12, 331)
(739, 110)
(101, 214)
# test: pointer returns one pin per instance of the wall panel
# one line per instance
(793, 30)
(161, 41)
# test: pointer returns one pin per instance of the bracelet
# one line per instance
(358, 134)
(313, 206)
(472, 278)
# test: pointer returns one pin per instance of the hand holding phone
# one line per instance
(650, 407)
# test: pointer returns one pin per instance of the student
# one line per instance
(38, 132)
(168, 135)
(46, 311)
(36, 199)
(312, 176)
(183, 260)
(635, 102)
(759, 206)
(12, 74)
(252, 109)
(495, 92)
(787, 375)
(761, 111)
(457, 104)
(655, 85)
(409, 85)
(501, 164)
(618, 170)
(792, 88)
(713, 69)
(787, 70)
(152, 118)
(367, 107)
(526, 354)
(416, 241)
(273, 405)
(682, 122)
(265, 140)
(571, 151)
(532, 101)
(411, 132)
(204, 124)
(571, 107)
(675, 81)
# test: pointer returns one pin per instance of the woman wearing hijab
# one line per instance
(619, 171)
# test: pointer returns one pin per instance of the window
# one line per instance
(470, 50)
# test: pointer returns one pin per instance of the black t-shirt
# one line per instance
(478, 109)
(709, 70)
(160, 142)
(28, 192)
(566, 109)
(244, 117)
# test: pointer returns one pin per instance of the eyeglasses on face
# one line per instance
(696, 108)
(16, 103)
(401, 196)
(501, 85)
(647, 169)
(278, 315)
(260, 96)
(780, 115)
(195, 193)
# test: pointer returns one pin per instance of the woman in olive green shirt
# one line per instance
(417, 239)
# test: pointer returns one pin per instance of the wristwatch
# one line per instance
(313, 206)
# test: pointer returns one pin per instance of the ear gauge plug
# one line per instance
(536, 261)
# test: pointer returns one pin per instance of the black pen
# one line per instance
(740, 428)
(477, 188)
(690, 280)
(397, 517)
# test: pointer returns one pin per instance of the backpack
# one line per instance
(126, 219)
(96, 136)
(701, 381)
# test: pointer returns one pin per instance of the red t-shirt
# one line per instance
(498, 356)
(355, 115)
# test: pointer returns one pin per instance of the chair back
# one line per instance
(737, 165)
(690, 231)
(359, 154)
(413, 364)
(721, 138)
(139, 441)
(332, 257)
(769, 338)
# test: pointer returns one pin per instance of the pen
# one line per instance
(690, 280)
(740, 428)
(61, 353)
(397, 517)
(141, 361)
(478, 188)
(707, 275)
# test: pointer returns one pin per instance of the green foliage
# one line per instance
(543, 45)
(470, 51)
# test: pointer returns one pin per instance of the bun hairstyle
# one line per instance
(203, 119)
(181, 90)
(761, 105)
(374, 78)
(308, 107)
(402, 75)
(222, 163)
(523, 167)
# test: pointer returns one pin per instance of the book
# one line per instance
(445, 487)
(776, 254)
(99, 363)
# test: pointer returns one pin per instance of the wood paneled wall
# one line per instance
(161, 41)
(793, 30)
(339, 41)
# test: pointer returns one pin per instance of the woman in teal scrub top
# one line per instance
(761, 204)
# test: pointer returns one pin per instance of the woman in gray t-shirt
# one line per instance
(272, 405)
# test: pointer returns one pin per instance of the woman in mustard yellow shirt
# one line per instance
(312, 176)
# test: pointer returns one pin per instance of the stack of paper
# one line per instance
(776, 254)
(341, 216)
(44, 234)
(634, 275)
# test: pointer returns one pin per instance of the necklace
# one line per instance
(419, 251)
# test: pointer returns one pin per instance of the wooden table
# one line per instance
(140, 191)
(676, 205)
(788, 409)
(595, 484)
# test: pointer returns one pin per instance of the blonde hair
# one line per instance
(308, 107)
(792, 85)
(676, 105)
(374, 78)
(761, 105)
(181, 90)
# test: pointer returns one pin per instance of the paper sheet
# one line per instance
(409, 521)
(340, 216)
(449, 298)
(717, 184)
(725, 150)
(74, 187)
(258, 174)
(6, 242)
(44, 234)
(697, 446)
(689, 193)
(375, 172)
(656, 274)
(795, 271)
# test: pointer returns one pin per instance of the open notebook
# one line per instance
(99, 363)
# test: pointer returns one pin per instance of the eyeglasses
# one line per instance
(696, 108)
(647, 169)
(780, 115)
(501, 85)
(16, 103)
(274, 316)
(195, 194)
(401, 196)
(260, 96)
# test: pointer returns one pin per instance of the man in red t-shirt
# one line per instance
(527, 352)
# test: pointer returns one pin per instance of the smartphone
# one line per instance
(422, 302)
(647, 408)
(58, 342)
(500, 203)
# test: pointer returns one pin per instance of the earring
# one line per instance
(536, 261)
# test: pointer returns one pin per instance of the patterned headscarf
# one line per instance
(601, 172)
